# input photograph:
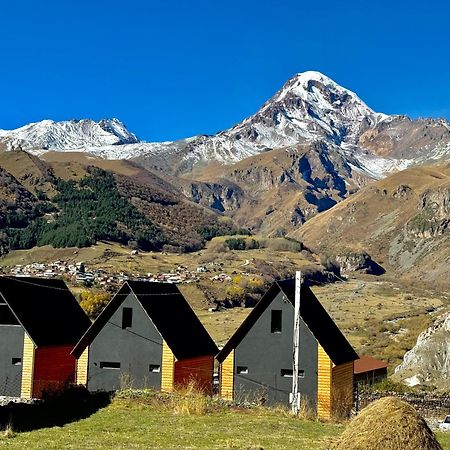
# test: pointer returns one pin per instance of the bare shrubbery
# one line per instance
(281, 244)
(187, 399)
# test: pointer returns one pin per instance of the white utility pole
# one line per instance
(295, 395)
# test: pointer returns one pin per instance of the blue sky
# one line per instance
(173, 69)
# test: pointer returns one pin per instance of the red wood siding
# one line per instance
(54, 368)
(200, 370)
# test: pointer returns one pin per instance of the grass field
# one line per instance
(135, 424)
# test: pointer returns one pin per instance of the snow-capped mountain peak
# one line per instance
(68, 135)
(318, 107)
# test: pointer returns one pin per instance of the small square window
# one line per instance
(155, 368)
(127, 317)
(16, 361)
(275, 322)
(241, 369)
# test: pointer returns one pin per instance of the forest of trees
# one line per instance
(84, 212)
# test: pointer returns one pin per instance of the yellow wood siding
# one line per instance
(82, 368)
(26, 390)
(227, 377)
(167, 370)
(342, 390)
(323, 384)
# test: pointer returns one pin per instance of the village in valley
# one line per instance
(81, 275)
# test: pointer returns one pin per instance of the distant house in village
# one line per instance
(368, 370)
(147, 336)
(40, 322)
(256, 363)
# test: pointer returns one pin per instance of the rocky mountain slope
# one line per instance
(276, 191)
(428, 362)
(402, 221)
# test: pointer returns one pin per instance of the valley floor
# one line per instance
(132, 424)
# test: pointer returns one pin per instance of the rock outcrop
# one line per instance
(359, 262)
(428, 362)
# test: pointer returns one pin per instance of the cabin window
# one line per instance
(109, 365)
(155, 368)
(287, 373)
(242, 369)
(16, 361)
(275, 322)
(127, 317)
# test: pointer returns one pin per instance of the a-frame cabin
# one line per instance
(147, 336)
(40, 322)
(256, 363)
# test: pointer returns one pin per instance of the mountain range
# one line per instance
(309, 108)
(308, 148)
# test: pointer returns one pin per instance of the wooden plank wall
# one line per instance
(26, 390)
(82, 368)
(227, 377)
(54, 369)
(198, 370)
(324, 379)
(342, 390)
(167, 369)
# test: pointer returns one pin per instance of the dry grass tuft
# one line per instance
(186, 399)
(388, 424)
(189, 400)
(9, 432)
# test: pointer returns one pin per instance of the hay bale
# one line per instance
(388, 424)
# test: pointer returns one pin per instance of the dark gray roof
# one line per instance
(169, 311)
(313, 314)
(46, 309)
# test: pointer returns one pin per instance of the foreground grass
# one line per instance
(139, 424)
(133, 424)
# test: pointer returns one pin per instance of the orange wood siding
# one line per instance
(26, 390)
(167, 370)
(227, 377)
(324, 385)
(54, 369)
(81, 376)
(342, 390)
(198, 370)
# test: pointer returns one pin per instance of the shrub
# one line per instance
(93, 303)
(235, 243)
(234, 292)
